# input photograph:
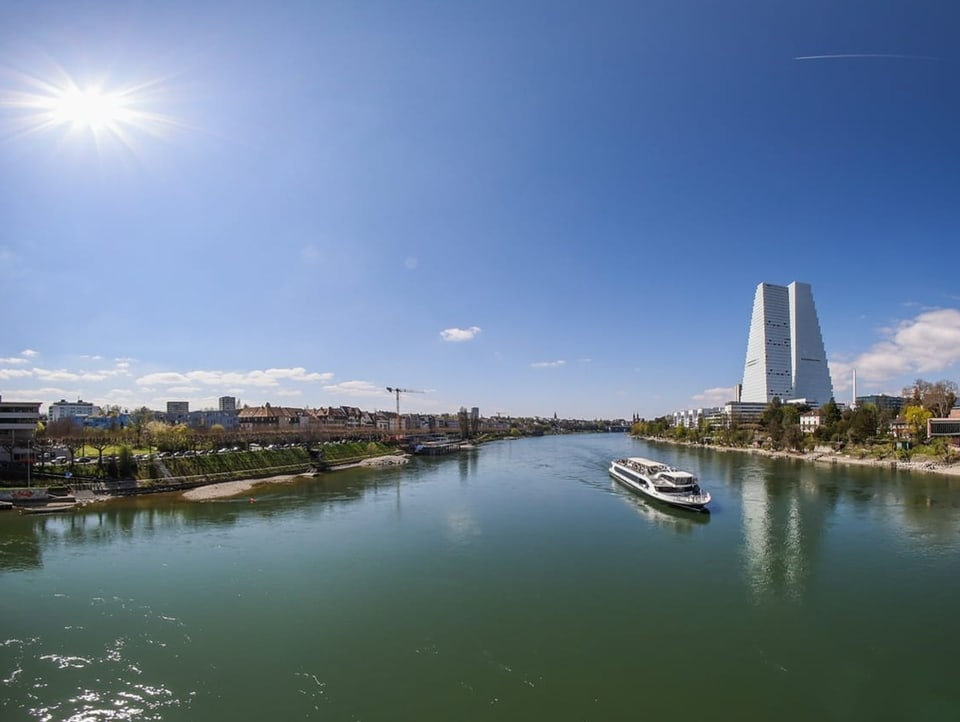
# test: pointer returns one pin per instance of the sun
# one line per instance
(96, 110)
(89, 109)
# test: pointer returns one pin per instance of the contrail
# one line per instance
(865, 55)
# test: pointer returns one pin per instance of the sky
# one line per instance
(534, 208)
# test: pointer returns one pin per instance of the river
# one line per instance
(513, 582)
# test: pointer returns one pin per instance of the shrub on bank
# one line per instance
(340, 453)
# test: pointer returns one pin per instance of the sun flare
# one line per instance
(120, 114)
(89, 108)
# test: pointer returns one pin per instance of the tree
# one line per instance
(180, 437)
(63, 428)
(156, 434)
(139, 420)
(940, 398)
(793, 437)
(830, 413)
(862, 424)
(99, 439)
(771, 420)
(916, 418)
(125, 465)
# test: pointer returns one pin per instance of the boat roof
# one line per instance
(664, 468)
(647, 462)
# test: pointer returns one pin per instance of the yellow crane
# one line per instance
(398, 391)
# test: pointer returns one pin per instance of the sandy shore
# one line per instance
(234, 488)
(388, 460)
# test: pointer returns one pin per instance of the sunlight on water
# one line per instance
(76, 684)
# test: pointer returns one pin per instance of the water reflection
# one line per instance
(682, 522)
(23, 539)
(783, 528)
(467, 464)
(788, 507)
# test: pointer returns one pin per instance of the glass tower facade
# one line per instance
(785, 353)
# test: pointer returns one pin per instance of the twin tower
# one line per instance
(785, 354)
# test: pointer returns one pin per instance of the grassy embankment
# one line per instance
(340, 454)
(227, 467)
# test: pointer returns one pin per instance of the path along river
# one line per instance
(514, 582)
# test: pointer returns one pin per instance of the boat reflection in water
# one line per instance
(680, 520)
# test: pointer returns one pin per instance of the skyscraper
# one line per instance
(785, 354)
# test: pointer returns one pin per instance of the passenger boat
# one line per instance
(661, 482)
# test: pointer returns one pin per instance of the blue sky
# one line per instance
(530, 207)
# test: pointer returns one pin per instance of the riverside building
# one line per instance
(785, 352)
(18, 425)
(64, 409)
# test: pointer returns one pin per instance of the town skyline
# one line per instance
(532, 209)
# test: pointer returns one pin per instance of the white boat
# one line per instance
(661, 482)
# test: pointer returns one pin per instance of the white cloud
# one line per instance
(460, 334)
(715, 397)
(548, 364)
(260, 378)
(6, 374)
(356, 388)
(288, 392)
(926, 344)
(24, 356)
(64, 375)
(163, 378)
(183, 390)
(46, 392)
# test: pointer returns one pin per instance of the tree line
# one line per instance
(778, 427)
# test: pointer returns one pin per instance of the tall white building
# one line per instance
(785, 353)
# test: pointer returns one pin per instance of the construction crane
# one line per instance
(398, 391)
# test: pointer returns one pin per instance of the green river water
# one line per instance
(513, 582)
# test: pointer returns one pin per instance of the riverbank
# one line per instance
(388, 460)
(223, 489)
(924, 465)
(226, 489)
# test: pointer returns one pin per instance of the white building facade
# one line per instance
(785, 352)
(64, 409)
(18, 425)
